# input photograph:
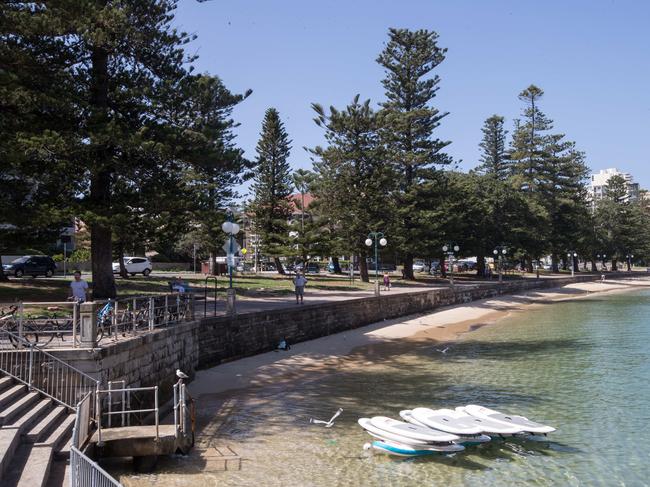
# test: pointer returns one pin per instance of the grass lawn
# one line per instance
(42, 289)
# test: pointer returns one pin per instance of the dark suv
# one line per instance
(32, 265)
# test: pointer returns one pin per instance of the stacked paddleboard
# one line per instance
(427, 431)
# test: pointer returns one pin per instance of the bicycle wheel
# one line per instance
(30, 333)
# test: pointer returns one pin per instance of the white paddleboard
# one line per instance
(403, 450)
(412, 430)
(458, 422)
(522, 423)
(407, 415)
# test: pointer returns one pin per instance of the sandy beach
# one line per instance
(308, 361)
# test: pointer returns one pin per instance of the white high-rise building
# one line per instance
(599, 180)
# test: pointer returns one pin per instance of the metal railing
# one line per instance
(182, 414)
(125, 410)
(43, 371)
(86, 473)
(57, 324)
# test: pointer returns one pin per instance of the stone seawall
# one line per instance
(152, 358)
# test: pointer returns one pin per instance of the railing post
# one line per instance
(156, 408)
(98, 413)
(31, 366)
(178, 308)
(88, 312)
(176, 426)
(114, 317)
(166, 310)
(152, 312)
(21, 310)
(75, 320)
(190, 313)
(135, 307)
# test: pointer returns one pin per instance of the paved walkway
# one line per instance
(315, 296)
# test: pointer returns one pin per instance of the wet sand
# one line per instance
(308, 361)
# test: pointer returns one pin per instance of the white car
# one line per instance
(134, 265)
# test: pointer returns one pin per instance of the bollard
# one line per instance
(88, 322)
(230, 302)
(376, 287)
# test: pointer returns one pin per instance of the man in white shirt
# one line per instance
(78, 288)
(299, 282)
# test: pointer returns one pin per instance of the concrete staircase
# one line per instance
(35, 435)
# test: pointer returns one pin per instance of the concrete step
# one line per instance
(9, 440)
(44, 425)
(37, 467)
(61, 433)
(5, 382)
(11, 394)
(24, 422)
(63, 452)
(16, 408)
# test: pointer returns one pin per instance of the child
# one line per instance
(386, 282)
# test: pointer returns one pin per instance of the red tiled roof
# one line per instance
(296, 200)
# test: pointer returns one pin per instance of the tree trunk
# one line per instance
(408, 267)
(593, 266)
(555, 266)
(3, 277)
(280, 267)
(337, 265)
(480, 266)
(100, 182)
(120, 251)
(528, 261)
(363, 269)
(212, 264)
(614, 266)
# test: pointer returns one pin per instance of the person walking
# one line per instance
(299, 282)
(386, 282)
(78, 288)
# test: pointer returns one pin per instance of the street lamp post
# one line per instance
(499, 252)
(231, 229)
(629, 258)
(450, 251)
(572, 255)
(602, 263)
(376, 238)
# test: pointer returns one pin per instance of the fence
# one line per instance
(57, 324)
(40, 370)
(86, 473)
(125, 408)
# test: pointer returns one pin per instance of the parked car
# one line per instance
(385, 267)
(134, 265)
(32, 265)
(420, 267)
(312, 268)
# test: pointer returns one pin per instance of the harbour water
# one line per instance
(582, 366)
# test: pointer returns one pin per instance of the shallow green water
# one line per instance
(582, 366)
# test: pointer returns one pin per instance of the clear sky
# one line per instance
(591, 57)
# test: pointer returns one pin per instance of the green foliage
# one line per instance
(408, 122)
(110, 125)
(272, 187)
(353, 179)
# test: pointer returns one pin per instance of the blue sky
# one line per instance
(592, 58)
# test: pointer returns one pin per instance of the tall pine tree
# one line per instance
(409, 121)
(272, 188)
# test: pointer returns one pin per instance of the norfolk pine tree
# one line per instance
(272, 188)
(408, 125)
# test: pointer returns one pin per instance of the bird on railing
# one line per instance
(181, 375)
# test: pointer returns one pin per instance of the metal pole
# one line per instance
(65, 254)
(231, 259)
(500, 269)
(156, 406)
(194, 258)
(75, 319)
(376, 262)
(451, 268)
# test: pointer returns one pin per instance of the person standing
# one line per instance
(78, 288)
(299, 282)
(386, 282)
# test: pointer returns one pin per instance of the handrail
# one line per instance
(109, 413)
(44, 372)
(86, 473)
